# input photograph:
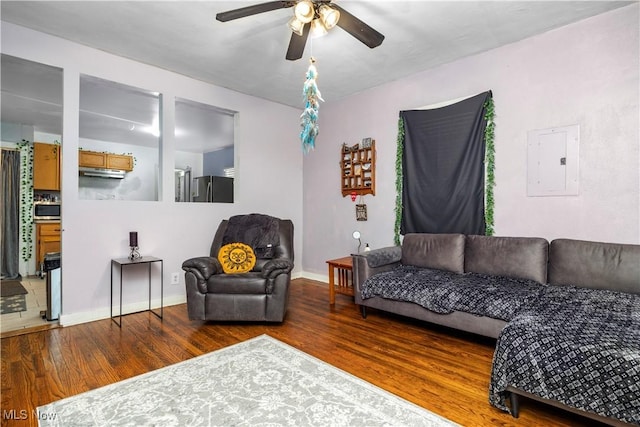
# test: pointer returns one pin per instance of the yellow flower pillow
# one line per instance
(236, 258)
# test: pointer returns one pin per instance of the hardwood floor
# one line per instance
(442, 370)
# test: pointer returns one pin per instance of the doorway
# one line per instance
(31, 114)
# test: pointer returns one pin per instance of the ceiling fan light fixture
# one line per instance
(304, 11)
(296, 25)
(329, 16)
(317, 28)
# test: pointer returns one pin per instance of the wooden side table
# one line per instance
(345, 278)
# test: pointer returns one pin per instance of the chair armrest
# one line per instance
(202, 267)
(276, 267)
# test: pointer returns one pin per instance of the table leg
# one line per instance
(332, 290)
(111, 305)
(161, 288)
(119, 322)
(149, 270)
(120, 318)
(158, 315)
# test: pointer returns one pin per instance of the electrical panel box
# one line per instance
(552, 161)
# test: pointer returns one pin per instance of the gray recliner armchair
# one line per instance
(257, 295)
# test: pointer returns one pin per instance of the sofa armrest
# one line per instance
(276, 267)
(382, 256)
(373, 262)
(202, 267)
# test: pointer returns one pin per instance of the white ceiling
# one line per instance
(248, 54)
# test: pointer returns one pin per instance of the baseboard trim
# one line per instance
(314, 276)
(104, 313)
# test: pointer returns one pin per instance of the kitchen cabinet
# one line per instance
(93, 159)
(120, 161)
(47, 240)
(358, 169)
(46, 166)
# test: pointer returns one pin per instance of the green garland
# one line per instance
(400, 148)
(490, 182)
(26, 198)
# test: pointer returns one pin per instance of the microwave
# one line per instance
(46, 211)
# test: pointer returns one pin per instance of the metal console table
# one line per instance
(121, 262)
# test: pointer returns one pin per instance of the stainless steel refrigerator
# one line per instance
(213, 189)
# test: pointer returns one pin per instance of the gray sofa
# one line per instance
(516, 257)
(471, 278)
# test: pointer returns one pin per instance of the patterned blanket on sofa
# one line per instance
(445, 292)
(578, 346)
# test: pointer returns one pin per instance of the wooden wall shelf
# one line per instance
(358, 169)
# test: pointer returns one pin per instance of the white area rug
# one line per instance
(259, 382)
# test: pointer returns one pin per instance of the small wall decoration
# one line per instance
(309, 117)
(366, 142)
(361, 212)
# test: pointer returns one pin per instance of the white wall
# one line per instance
(268, 178)
(192, 160)
(586, 73)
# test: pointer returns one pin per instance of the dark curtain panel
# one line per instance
(443, 168)
(10, 213)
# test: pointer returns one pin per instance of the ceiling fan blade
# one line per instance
(253, 10)
(358, 29)
(297, 43)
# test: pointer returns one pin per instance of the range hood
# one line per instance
(102, 173)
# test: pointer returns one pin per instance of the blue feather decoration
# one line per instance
(309, 117)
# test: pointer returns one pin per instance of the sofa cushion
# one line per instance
(519, 257)
(595, 265)
(439, 251)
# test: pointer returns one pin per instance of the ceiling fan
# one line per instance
(316, 16)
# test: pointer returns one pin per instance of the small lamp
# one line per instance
(317, 28)
(296, 26)
(133, 244)
(304, 11)
(329, 16)
(356, 235)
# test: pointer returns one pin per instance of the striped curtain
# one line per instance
(10, 214)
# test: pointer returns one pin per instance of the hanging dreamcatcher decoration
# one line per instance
(309, 117)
